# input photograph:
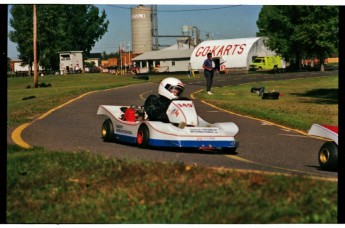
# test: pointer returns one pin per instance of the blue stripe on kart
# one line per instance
(189, 143)
(126, 138)
(179, 143)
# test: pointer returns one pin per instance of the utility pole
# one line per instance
(35, 49)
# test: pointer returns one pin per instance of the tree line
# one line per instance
(301, 32)
(294, 32)
(60, 28)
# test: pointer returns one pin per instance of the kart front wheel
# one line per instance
(143, 136)
(328, 156)
(107, 131)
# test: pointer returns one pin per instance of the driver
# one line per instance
(156, 106)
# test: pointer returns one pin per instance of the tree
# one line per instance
(60, 28)
(297, 32)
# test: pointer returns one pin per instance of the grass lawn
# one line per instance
(56, 187)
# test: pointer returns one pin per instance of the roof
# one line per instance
(62, 52)
(179, 46)
(164, 54)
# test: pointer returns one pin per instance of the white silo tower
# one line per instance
(141, 29)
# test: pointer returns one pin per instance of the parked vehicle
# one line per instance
(267, 63)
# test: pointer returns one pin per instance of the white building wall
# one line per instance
(180, 65)
(75, 57)
(19, 67)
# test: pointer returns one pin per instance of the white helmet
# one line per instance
(171, 88)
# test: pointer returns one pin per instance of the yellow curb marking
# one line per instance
(17, 139)
(142, 95)
(16, 134)
(270, 166)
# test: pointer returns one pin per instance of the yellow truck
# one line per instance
(267, 63)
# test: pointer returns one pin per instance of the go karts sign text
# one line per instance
(221, 50)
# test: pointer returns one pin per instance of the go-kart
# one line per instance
(328, 153)
(185, 128)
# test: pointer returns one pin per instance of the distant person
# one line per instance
(208, 72)
(77, 68)
(189, 70)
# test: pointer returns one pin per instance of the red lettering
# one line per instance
(199, 52)
(226, 51)
(177, 113)
(214, 50)
(236, 45)
(242, 48)
(185, 105)
(206, 50)
(220, 51)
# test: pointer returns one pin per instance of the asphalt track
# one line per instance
(264, 146)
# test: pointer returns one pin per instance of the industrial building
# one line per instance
(145, 44)
(228, 54)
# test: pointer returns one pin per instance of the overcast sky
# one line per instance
(219, 21)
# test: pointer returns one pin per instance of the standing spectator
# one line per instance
(208, 72)
(77, 68)
(189, 70)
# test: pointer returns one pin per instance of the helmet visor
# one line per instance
(176, 90)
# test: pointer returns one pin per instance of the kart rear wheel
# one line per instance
(143, 136)
(328, 156)
(107, 131)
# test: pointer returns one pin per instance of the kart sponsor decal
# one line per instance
(175, 111)
(183, 105)
(124, 131)
(119, 129)
(204, 130)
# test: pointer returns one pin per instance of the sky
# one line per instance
(219, 21)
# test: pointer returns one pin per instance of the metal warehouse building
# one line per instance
(235, 54)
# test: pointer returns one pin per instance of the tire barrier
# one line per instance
(270, 96)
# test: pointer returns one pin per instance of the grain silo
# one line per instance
(141, 29)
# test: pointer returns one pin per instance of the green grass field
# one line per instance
(301, 103)
(81, 187)
(55, 187)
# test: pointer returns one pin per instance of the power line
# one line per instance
(177, 11)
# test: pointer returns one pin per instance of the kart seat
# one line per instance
(129, 115)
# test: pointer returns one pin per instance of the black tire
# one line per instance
(328, 156)
(275, 69)
(270, 96)
(143, 136)
(107, 131)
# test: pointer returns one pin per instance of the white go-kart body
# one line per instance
(186, 129)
